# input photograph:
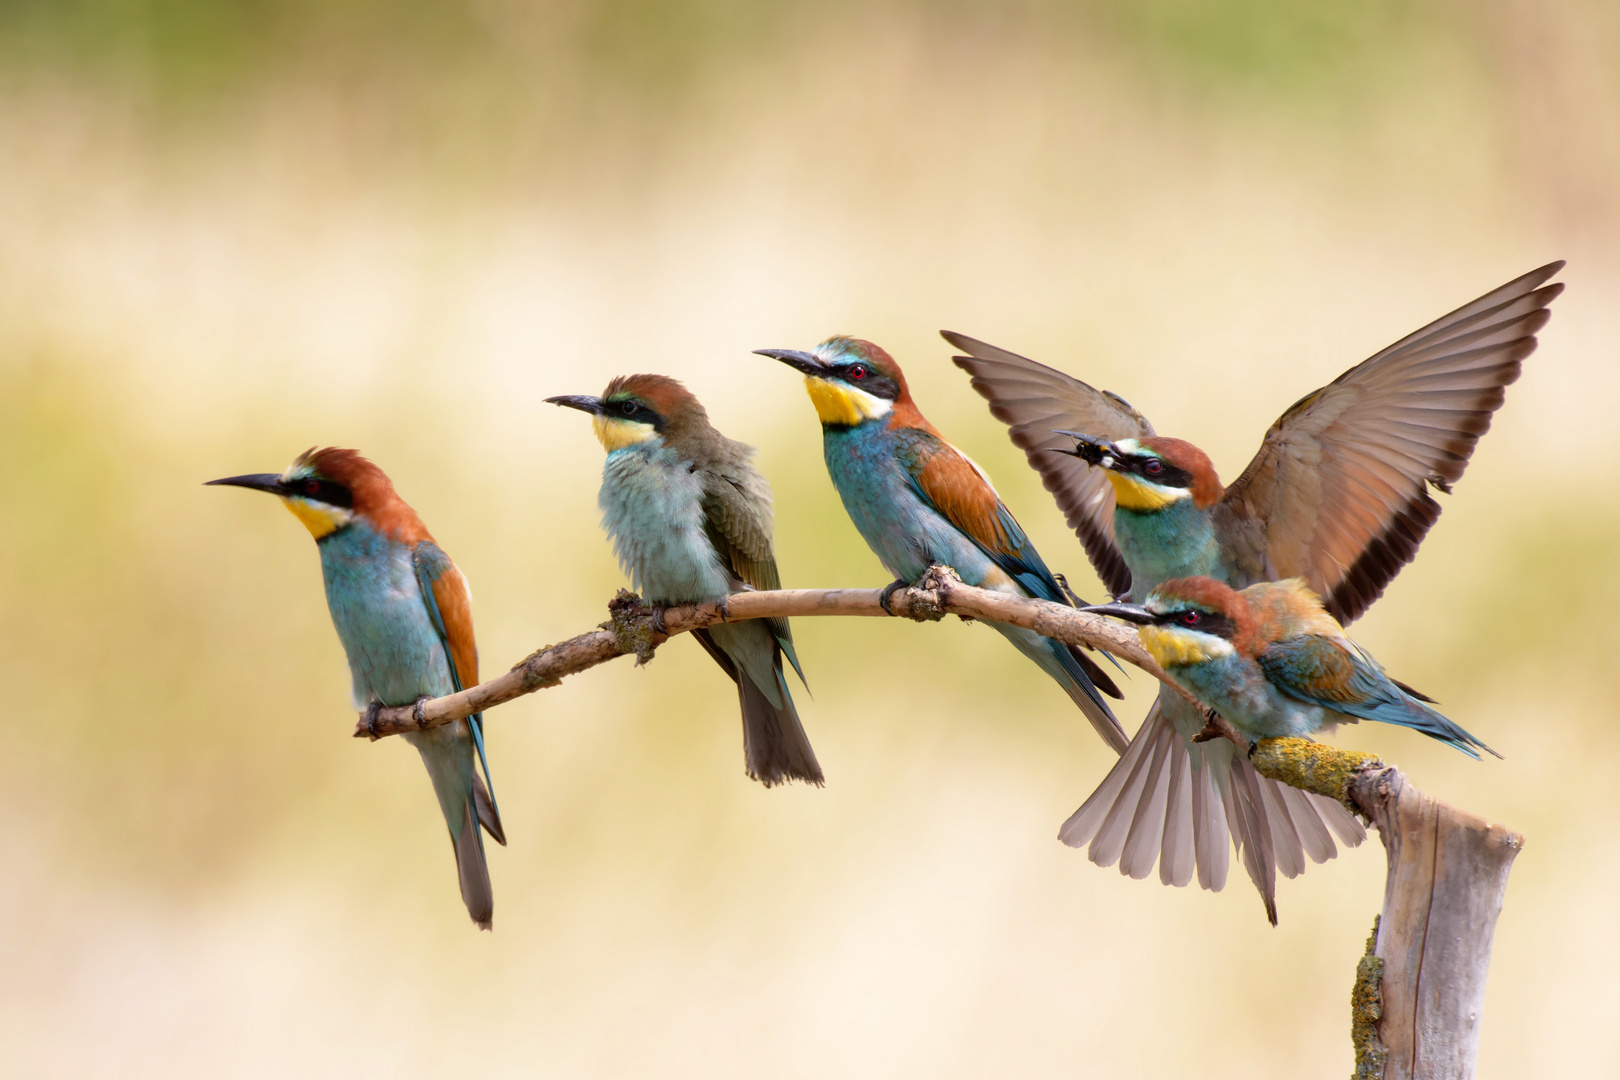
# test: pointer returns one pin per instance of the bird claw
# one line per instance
(888, 594)
(419, 713)
(371, 720)
(1074, 598)
(1212, 727)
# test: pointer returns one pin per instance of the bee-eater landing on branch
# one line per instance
(1338, 495)
(917, 501)
(404, 614)
(1273, 662)
(690, 518)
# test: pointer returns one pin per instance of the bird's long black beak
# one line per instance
(263, 481)
(1087, 448)
(582, 402)
(802, 362)
(1134, 613)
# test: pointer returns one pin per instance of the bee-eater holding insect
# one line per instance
(1338, 495)
(690, 519)
(917, 501)
(404, 614)
(1273, 662)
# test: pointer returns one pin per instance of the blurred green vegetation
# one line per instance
(189, 51)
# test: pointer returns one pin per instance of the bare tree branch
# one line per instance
(637, 629)
(1417, 1001)
(1419, 990)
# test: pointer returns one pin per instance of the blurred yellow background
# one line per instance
(230, 229)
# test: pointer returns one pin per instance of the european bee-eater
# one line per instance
(1337, 495)
(690, 519)
(404, 614)
(917, 501)
(1272, 661)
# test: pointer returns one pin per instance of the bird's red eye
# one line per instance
(1190, 618)
(312, 486)
(1153, 466)
(857, 372)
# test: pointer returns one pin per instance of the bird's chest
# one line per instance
(1235, 688)
(1177, 541)
(652, 507)
(377, 607)
(903, 531)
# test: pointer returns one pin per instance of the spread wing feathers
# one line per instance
(449, 606)
(1320, 671)
(1176, 803)
(1338, 493)
(1033, 400)
(737, 519)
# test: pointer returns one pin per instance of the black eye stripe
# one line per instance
(321, 490)
(1168, 475)
(631, 409)
(871, 381)
(1206, 622)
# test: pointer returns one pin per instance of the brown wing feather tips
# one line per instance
(1339, 489)
(1383, 558)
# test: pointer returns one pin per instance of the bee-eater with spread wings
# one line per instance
(1338, 495)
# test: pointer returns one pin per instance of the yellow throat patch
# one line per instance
(319, 518)
(615, 434)
(1135, 494)
(1170, 647)
(842, 406)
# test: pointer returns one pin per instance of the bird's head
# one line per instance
(636, 408)
(329, 489)
(850, 381)
(1152, 472)
(1189, 621)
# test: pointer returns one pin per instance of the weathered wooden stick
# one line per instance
(1447, 874)
(637, 629)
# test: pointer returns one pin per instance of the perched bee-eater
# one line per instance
(1337, 495)
(1272, 661)
(917, 501)
(690, 519)
(404, 614)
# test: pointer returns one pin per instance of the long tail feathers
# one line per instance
(1085, 683)
(776, 748)
(450, 757)
(472, 870)
(1176, 803)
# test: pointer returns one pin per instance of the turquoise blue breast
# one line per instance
(906, 533)
(394, 653)
(1178, 541)
(652, 507)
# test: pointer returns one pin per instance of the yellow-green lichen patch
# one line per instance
(1366, 1009)
(1311, 766)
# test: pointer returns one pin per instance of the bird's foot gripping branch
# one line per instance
(637, 629)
